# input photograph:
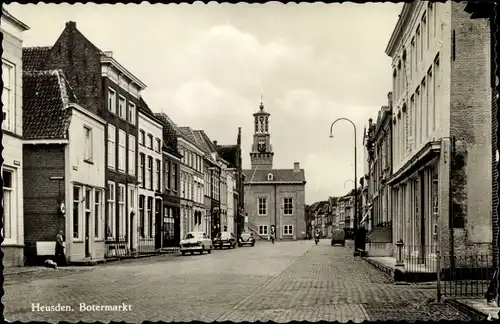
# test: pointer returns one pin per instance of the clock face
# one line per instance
(261, 146)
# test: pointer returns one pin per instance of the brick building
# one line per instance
(64, 178)
(273, 197)
(441, 130)
(12, 129)
(171, 227)
(107, 89)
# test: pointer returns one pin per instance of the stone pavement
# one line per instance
(279, 282)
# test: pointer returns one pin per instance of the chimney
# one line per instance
(71, 25)
(215, 143)
(296, 167)
(238, 142)
(370, 122)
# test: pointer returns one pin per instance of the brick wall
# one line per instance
(42, 196)
(81, 62)
(470, 124)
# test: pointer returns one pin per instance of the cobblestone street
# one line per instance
(281, 282)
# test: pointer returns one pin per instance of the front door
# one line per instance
(87, 234)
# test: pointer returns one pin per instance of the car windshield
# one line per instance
(245, 235)
(192, 236)
(224, 235)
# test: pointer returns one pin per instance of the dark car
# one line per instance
(224, 239)
(246, 239)
(338, 237)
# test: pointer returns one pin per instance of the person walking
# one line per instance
(272, 233)
(60, 256)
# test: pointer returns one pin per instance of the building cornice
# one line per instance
(398, 32)
(105, 59)
(46, 141)
(183, 140)
(153, 120)
(14, 21)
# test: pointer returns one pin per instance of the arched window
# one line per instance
(270, 176)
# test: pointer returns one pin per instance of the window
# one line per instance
(418, 108)
(182, 184)
(411, 114)
(131, 113)
(158, 175)
(150, 216)
(287, 229)
(88, 208)
(262, 206)
(158, 145)
(423, 111)
(174, 176)
(132, 198)
(262, 229)
(7, 203)
(122, 107)
(121, 211)
(97, 213)
(88, 143)
(8, 99)
(425, 32)
(76, 212)
(131, 154)
(142, 137)
(111, 146)
(167, 175)
(191, 187)
(420, 46)
(122, 136)
(141, 216)
(111, 101)
(110, 220)
(435, 92)
(150, 141)
(414, 53)
(149, 176)
(270, 176)
(288, 206)
(429, 103)
(142, 177)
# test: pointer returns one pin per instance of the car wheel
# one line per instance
(253, 244)
(192, 252)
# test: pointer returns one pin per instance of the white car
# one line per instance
(195, 242)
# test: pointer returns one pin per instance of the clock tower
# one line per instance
(262, 154)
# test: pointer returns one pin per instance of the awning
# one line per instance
(365, 216)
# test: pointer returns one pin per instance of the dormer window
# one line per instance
(270, 176)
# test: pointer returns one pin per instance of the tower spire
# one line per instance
(261, 102)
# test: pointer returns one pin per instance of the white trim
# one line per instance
(122, 219)
(289, 226)
(112, 219)
(266, 226)
(125, 108)
(183, 142)
(111, 61)
(46, 141)
(258, 206)
(86, 112)
(293, 206)
(113, 111)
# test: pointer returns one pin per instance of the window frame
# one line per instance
(88, 145)
(291, 209)
(131, 109)
(260, 208)
(112, 101)
(158, 145)
(76, 219)
(122, 110)
(142, 137)
(111, 214)
(9, 110)
(167, 175)
(98, 209)
(174, 176)
(131, 154)
(11, 223)
(150, 141)
(122, 212)
(158, 175)
(122, 148)
(142, 170)
(289, 229)
(149, 174)
(263, 229)
(142, 217)
(149, 211)
(111, 150)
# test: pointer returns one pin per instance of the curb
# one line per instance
(381, 267)
(466, 309)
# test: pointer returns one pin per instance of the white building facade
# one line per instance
(12, 168)
(192, 187)
(441, 117)
(85, 178)
(150, 177)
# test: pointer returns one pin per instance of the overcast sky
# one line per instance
(206, 66)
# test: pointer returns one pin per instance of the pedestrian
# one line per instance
(60, 256)
(491, 293)
(272, 233)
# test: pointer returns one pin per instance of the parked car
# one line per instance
(195, 242)
(224, 239)
(338, 237)
(246, 239)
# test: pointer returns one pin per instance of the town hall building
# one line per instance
(273, 197)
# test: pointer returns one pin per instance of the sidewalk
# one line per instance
(388, 265)
(477, 308)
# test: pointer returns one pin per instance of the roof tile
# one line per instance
(34, 58)
(279, 175)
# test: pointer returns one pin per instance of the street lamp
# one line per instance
(355, 179)
(347, 182)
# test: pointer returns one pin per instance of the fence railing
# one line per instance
(146, 245)
(116, 248)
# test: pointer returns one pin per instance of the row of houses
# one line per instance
(429, 182)
(84, 153)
